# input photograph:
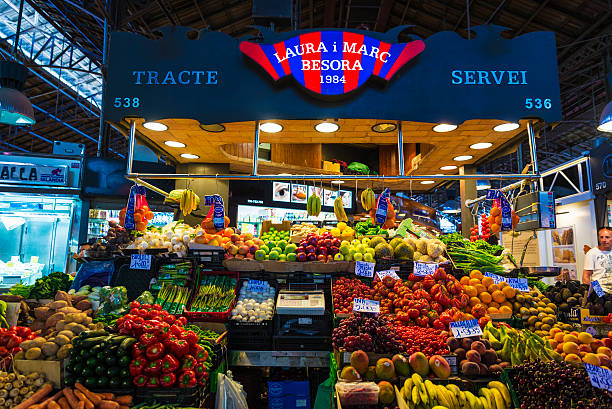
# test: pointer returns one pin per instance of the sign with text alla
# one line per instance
(364, 268)
(33, 174)
(424, 269)
(215, 78)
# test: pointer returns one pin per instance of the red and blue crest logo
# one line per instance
(332, 62)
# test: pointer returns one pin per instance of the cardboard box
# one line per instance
(266, 224)
(53, 370)
(587, 319)
(330, 166)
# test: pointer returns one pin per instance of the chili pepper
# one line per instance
(168, 380)
(137, 366)
(199, 353)
(140, 380)
(153, 368)
(187, 379)
(138, 349)
(154, 351)
(148, 338)
(191, 337)
(179, 347)
(153, 382)
(188, 362)
(169, 364)
(3, 351)
(200, 370)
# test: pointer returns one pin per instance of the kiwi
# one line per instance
(572, 301)
(564, 307)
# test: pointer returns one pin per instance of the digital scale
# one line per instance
(300, 302)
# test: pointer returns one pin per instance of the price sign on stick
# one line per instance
(518, 284)
(362, 305)
(600, 377)
(464, 329)
(424, 269)
(385, 273)
(364, 269)
(140, 262)
(496, 279)
(597, 288)
(256, 286)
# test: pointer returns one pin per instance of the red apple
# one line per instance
(301, 256)
(321, 257)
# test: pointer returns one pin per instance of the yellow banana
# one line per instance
(416, 398)
(453, 392)
(339, 210)
(499, 400)
(443, 397)
(486, 393)
(503, 390)
(473, 401)
(368, 199)
(484, 402)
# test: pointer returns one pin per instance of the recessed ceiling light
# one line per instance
(427, 182)
(462, 157)
(508, 126)
(155, 126)
(481, 145)
(483, 185)
(175, 144)
(444, 127)
(337, 182)
(270, 127)
(384, 127)
(189, 156)
(327, 127)
(284, 174)
(451, 211)
(448, 167)
(213, 127)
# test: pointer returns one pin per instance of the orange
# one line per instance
(465, 280)
(498, 296)
(492, 310)
(495, 211)
(507, 303)
(509, 292)
(476, 274)
(559, 337)
(485, 297)
(480, 288)
(504, 309)
(492, 288)
(494, 304)
(503, 284)
(474, 281)
(474, 301)
(470, 290)
(487, 281)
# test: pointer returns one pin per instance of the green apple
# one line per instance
(282, 244)
(348, 257)
(291, 247)
(358, 256)
(277, 249)
(291, 257)
(355, 242)
(282, 257)
(371, 251)
(362, 248)
(273, 255)
(265, 248)
(344, 249)
(368, 257)
(260, 255)
(345, 243)
(366, 241)
(338, 257)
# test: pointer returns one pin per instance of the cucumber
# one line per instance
(90, 342)
(127, 343)
(93, 333)
(117, 339)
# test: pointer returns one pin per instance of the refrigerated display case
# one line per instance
(97, 225)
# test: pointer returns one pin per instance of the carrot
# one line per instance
(53, 405)
(63, 402)
(93, 397)
(124, 400)
(81, 396)
(107, 396)
(44, 404)
(72, 400)
(36, 397)
(108, 404)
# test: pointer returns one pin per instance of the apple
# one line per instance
(265, 248)
(240, 256)
(300, 249)
(232, 250)
(322, 250)
(249, 256)
(243, 250)
(312, 241)
(304, 242)
(338, 257)
(292, 256)
(253, 248)
(301, 256)
(235, 238)
(368, 257)
(327, 243)
(321, 257)
(358, 256)
(333, 250)
(311, 257)
(336, 242)
(290, 248)
(260, 255)
(282, 257)
(273, 255)
(310, 249)
(345, 249)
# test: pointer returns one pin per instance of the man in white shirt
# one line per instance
(598, 261)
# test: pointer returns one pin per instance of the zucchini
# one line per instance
(117, 339)
(127, 343)
(93, 333)
(90, 342)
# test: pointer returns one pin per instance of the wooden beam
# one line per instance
(329, 13)
(383, 15)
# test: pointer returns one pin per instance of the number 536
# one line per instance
(538, 103)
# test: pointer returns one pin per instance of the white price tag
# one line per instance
(518, 284)
(257, 286)
(140, 262)
(389, 273)
(361, 305)
(424, 269)
(364, 269)
(597, 288)
(496, 279)
(464, 329)
(600, 377)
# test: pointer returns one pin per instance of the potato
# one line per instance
(87, 321)
(75, 328)
(56, 305)
(84, 305)
(52, 320)
(60, 325)
(37, 325)
(78, 298)
(61, 340)
(33, 353)
(66, 333)
(68, 310)
(42, 313)
(62, 296)
(49, 348)
(34, 343)
(64, 351)
(74, 317)
(20, 355)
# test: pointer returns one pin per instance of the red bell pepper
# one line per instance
(153, 382)
(134, 304)
(153, 368)
(169, 318)
(200, 370)
(148, 338)
(31, 336)
(176, 330)
(198, 352)
(203, 380)
(154, 351)
(15, 350)
(169, 364)
(179, 347)
(23, 332)
(140, 380)
(187, 379)
(181, 321)
(5, 363)
(188, 362)
(137, 366)
(3, 351)
(13, 341)
(168, 380)
(191, 337)
(157, 307)
(138, 349)
(163, 330)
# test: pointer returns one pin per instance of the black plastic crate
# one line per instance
(302, 343)
(302, 325)
(191, 397)
(208, 259)
(251, 335)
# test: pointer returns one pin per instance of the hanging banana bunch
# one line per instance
(189, 201)
(368, 199)
(339, 210)
(313, 205)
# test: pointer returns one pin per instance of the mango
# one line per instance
(419, 364)
(439, 366)
(360, 361)
(402, 367)
(385, 369)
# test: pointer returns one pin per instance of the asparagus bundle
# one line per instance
(216, 294)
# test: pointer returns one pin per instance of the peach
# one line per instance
(596, 344)
(605, 350)
(591, 359)
(573, 359)
(585, 348)
(604, 360)
(585, 338)
(571, 348)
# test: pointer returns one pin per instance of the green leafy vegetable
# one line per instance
(48, 286)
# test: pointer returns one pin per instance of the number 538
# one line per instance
(538, 103)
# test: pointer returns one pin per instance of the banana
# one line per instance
(431, 392)
(408, 383)
(182, 202)
(368, 199)
(473, 401)
(488, 395)
(339, 210)
(444, 398)
(194, 203)
(453, 392)
(503, 390)
(499, 400)
(423, 394)
(485, 403)
(416, 398)
(416, 379)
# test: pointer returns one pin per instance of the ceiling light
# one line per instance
(213, 127)
(448, 167)
(427, 182)
(483, 185)
(327, 127)
(155, 126)
(451, 211)
(270, 127)
(481, 145)
(384, 127)
(462, 157)
(174, 144)
(444, 127)
(505, 127)
(15, 107)
(189, 156)
(337, 182)
(605, 123)
(285, 174)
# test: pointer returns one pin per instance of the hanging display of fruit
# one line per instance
(484, 227)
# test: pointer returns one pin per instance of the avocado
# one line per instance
(566, 293)
(564, 307)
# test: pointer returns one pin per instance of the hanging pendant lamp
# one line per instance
(605, 123)
(15, 108)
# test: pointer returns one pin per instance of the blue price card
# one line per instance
(496, 279)
(464, 329)
(424, 269)
(600, 377)
(387, 273)
(140, 262)
(518, 284)
(597, 288)
(362, 305)
(364, 269)
(257, 286)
